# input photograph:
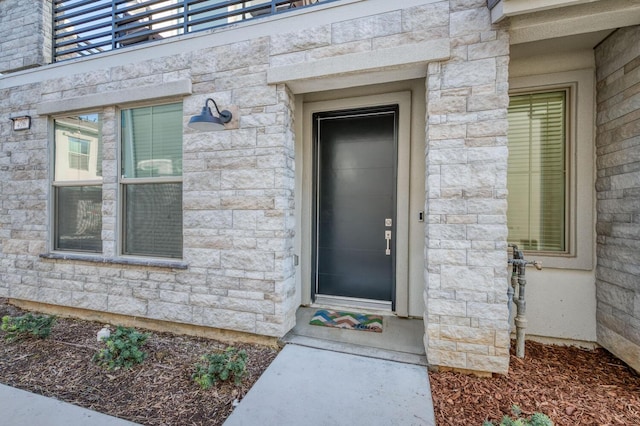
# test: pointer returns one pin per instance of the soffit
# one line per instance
(590, 19)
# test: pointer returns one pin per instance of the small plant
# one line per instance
(28, 325)
(123, 349)
(221, 367)
(537, 419)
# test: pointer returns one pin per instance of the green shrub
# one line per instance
(221, 367)
(537, 419)
(123, 349)
(28, 325)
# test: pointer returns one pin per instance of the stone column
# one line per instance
(466, 233)
(25, 34)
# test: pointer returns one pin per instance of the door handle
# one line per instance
(387, 236)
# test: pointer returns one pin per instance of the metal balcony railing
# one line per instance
(87, 27)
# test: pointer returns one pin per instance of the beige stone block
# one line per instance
(442, 345)
(248, 305)
(247, 179)
(170, 312)
(469, 74)
(411, 37)
(447, 307)
(493, 364)
(247, 203)
(446, 358)
(487, 232)
(225, 319)
(254, 96)
(471, 348)
(470, 21)
(460, 321)
(339, 49)
(425, 16)
(463, 334)
(446, 257)
(250, 260)
(125, 305)
(202, 257)
(488, 49)
(242, 54)
(367, 27)
(488, 128)
(491, 311)
(447, 207)
(447, 105)
(310, 38)
(473, 278)
(446, 131)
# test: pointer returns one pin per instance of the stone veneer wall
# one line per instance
(238, 189)
(618, 190)
(466, 254)
(25, 34)
(238, 184)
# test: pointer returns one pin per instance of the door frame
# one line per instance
(403, 100)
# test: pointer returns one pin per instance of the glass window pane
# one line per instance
(78, 148)
(153, 220)
(78, 218)
(152, 141)
(537, 171)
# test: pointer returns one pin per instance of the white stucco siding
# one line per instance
(561, 304)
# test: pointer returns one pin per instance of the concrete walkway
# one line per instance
(303, 386)
(313, 387)
(20, 408)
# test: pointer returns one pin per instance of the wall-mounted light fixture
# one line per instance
(206, 121)
(21, 123)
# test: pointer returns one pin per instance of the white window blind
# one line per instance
(152, 181)
(537, 174)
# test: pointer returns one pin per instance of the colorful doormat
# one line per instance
(347, 320)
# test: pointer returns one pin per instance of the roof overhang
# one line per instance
(534, 20)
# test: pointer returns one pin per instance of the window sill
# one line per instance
(156, 263)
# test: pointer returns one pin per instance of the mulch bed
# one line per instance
(570, 385)
(157, 392)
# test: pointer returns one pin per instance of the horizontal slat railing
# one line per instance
(87, 27)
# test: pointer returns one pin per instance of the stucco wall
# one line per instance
(561, 301)
(618, 189)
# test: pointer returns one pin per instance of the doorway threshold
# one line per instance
(401, 339)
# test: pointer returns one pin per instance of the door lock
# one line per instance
(387, 236)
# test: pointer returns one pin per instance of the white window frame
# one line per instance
(123, 182)
(580, 244)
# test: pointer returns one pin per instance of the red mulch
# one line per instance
(570, 385)
(157, 392)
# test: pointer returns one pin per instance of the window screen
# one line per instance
(77, 185)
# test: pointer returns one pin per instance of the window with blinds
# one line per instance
(152, 181)
(77, 183)
(537, 171)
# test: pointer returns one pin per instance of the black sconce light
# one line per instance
(206, 121)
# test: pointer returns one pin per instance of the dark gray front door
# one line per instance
(355, 203)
